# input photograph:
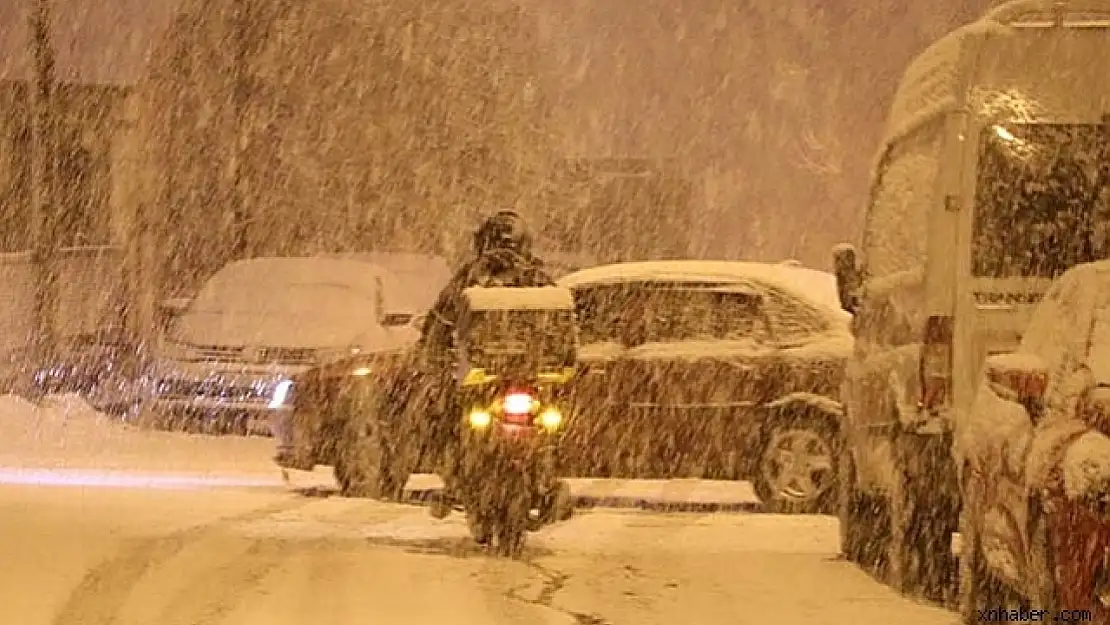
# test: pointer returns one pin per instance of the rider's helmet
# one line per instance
(503, 231)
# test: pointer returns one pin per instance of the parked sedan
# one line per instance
(1034, 462)
(725, 370)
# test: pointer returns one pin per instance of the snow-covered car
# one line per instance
(1034, 461)
(254, 325)
(724, 370)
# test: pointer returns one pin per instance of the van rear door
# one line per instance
(1038, 197)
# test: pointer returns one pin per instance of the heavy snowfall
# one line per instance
(501, 312)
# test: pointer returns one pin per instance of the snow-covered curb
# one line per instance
(64, 432)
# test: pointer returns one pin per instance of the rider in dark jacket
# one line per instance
(503, 248)
(504, 257)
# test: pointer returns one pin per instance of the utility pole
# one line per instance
(44, 196)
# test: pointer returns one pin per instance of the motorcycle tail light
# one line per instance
(517, 404)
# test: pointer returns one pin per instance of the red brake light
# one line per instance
(936, 362)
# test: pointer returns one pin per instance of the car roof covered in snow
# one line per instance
(291, 269)
(518, 298)
(811, 285)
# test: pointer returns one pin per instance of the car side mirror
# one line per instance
(849, 276)
(1022, 378)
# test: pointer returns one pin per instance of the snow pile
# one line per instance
(1086, 467)
(65, 433)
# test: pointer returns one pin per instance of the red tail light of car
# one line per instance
(1025, 384)
(936, 363)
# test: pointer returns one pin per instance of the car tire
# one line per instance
(924, 514)
(362, 464)
(805, 434)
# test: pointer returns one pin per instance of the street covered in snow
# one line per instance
(177, 529)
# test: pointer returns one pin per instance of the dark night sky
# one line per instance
(784, 101)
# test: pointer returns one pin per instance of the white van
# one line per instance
(990, 182)
(254, 324)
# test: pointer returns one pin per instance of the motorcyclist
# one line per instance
(503, 258)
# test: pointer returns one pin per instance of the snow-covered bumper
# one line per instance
(213, 393)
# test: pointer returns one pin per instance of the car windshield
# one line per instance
(1041, 199)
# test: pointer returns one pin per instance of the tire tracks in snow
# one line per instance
(104, 591)
(553, 582)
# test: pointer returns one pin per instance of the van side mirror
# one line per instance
(849, 276)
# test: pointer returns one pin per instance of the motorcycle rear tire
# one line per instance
(513, 526)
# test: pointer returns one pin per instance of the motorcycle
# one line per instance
(516, 350)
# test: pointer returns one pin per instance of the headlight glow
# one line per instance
(551, 419)
(479, 419)
(361, 372)
(281, 393)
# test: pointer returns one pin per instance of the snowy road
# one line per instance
(226, 556)
(104, 525)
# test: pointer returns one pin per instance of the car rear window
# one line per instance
(662, 312)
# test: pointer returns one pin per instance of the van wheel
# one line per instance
(978, 589)
(797, 467)
(924, 513)
(864, 519)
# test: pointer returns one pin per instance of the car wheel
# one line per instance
(924, 514)
(796, 472)
(360, 467)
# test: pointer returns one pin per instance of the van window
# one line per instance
(896, 229)
(895, 239)
(1041, 200)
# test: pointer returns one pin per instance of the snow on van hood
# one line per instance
(242, 328)
(412, 281)
(288, 302)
